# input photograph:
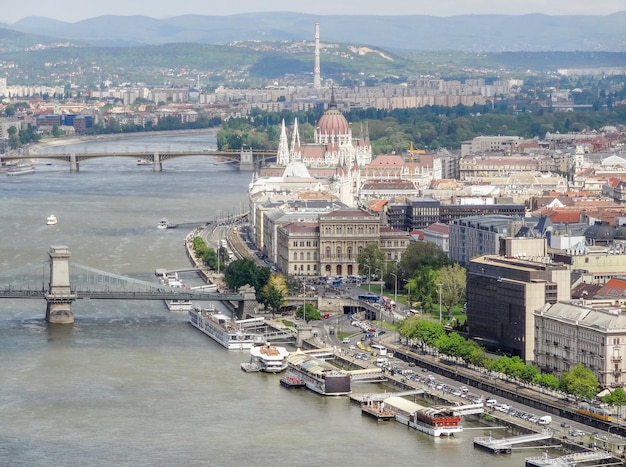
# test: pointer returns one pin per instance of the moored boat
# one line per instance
(436, 420)
(176, 305)
(318, 375)
(51, 220)
(269, 358)
(291, 382)
(223, 329)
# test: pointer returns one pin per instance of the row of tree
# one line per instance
(579, 381)
(208, 255)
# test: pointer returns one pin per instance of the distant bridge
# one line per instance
(61, 284)
(248, 159)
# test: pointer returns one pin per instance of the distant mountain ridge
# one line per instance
(487, 33)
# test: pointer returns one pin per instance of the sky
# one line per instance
(76, 10)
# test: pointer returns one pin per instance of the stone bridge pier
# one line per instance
(249, 305)
(246, 160)
(59, 297)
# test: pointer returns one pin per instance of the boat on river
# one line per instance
(143, 162)
(51, 220)
(437, 420)
(267, 358)
(176, 305)
(22, 167)
(318, 375)
(226, 331)
(163, 224)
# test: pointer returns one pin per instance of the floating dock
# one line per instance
(376, 410)
(579, 458)
(504, 445)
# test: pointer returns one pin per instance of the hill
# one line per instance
(469, 33)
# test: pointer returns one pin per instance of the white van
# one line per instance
(491, 402)
(346, 340)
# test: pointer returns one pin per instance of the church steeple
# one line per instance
(282, 154)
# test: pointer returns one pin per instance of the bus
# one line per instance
(380, 350)
(369, 297)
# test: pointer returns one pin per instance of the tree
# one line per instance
(419, 255)
(453, 280)
(424, 287)
(312, 313)
(616, 398)
(372, 258)
(245, 271)
(274, 292)
(580, 381)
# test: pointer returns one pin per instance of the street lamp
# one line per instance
(395, 287)
(369, 278)
(381, 282)
(440, 285)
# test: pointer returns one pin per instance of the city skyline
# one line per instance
(75, 10)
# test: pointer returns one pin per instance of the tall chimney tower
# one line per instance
(317, 81)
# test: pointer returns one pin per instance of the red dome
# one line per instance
(333, 123)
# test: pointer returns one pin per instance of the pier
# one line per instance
(578, 458)
(504, 445)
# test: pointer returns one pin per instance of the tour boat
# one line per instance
(436, 420)
(268, 358)
(176, 305)
(51, 220)
(318, 375)
(21, 168)
(224, 330)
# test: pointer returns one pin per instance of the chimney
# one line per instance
(317, 81)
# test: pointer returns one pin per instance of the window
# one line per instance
(338, 252)
(339, 232)
(327, 252)
(308, 256)
(350, 253)
(301, 256)
(360, 229)
(349, 230)
(295, 256)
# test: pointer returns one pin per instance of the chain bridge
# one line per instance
(60, 283)
(248, 159)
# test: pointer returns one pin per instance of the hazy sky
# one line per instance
(76, 10)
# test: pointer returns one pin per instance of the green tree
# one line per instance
(616, 398)
(453, 280)
(419, 255)
(371, 259)
(547, 380)
(245, 271)
(580, 381)
(312, 313)
(424, 287)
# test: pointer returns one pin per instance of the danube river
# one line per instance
(132, 384)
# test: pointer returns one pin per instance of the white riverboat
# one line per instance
(436, 420)
(22, 167)
(267, 358)
(176, 306)
(51, 220)
(224, 330)
(318, 375)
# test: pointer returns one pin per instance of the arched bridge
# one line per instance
(61, 283)
(248, 159)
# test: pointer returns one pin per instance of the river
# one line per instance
(129, 383)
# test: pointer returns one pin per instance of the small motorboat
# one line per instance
(51, 220)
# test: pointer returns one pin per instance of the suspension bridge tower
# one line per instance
(59, 297)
